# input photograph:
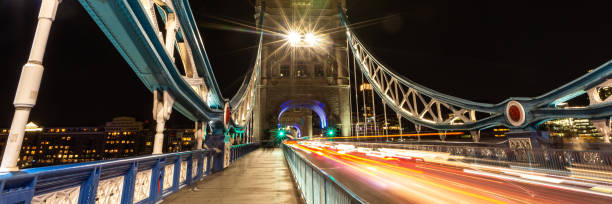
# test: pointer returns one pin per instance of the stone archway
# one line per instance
(306, 117)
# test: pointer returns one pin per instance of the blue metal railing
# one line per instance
(240, 150)
(144, 179)
(315, 185)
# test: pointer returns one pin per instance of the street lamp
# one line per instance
(294, 38)
(311, 39)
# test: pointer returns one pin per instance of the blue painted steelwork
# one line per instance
(237, 99)
(24, 185)
(251, 78)
(126, 25)
(536, 109)
(193, 37)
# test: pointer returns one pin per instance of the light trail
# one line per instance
(373, 170)
(398, 135)
(394, 177)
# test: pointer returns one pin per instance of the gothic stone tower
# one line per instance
(304, 62)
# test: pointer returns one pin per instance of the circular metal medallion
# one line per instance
(515, 113)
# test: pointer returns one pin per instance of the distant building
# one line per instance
(126, 137)
(376, 125)
(121, 137)
(572, 128)
(178, 140)
(52, 146)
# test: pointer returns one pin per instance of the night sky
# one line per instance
(479, 50)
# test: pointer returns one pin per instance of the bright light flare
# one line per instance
(311, 39)
(294, 38)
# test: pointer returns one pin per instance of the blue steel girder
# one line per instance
(193, 37)
(125, 24)
(385, 81)
(243, 102)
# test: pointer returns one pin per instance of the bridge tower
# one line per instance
(304, 74)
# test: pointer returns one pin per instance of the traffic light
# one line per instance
(281, 133)
(330, 132)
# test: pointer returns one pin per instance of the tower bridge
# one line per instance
(305, 80)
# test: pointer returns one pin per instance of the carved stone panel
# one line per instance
(110, 190)
(183, 173)
(168, 176)
(142, 185)
(194, 168)
(64, 196)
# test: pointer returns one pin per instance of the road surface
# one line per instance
(379, 180)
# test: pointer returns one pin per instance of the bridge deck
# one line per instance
(261, 176)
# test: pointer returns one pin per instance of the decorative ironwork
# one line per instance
(194, 168)
(142, 185)
(183, 173)
(591, 157)
(519, 143)
(110, 190)
(205, 166)
(64, 196)
(168, 176)
(427, 107)
(226, 155)
(243, 102)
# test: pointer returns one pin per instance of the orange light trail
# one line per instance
(356, 159)
(402, 135)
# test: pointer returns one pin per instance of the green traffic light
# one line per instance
(280, 133)
(331, 132)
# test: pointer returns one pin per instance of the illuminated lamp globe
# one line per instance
(293, 37)
(311, 39)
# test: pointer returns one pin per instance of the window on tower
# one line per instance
(285, 71)
(301, 70)
(319, 70)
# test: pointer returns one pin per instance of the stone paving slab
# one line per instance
(261, 176)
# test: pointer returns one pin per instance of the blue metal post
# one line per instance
(89, 188)
(128, 184)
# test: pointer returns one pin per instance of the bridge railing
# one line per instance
(240, 150)
(594, 164)
(145, 179)
(315, 185)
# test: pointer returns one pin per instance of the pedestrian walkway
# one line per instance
(261, 176)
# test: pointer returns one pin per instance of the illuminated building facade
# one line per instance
(177, 140)
(62, 145)
(122, 137)
(572, 128)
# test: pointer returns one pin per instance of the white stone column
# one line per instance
(162, 107)
(308, 124)
(197, 134)
(200, 133)
(475, 135)
(29, 84)
(418, 130)
(603, 126)
(443, 136)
